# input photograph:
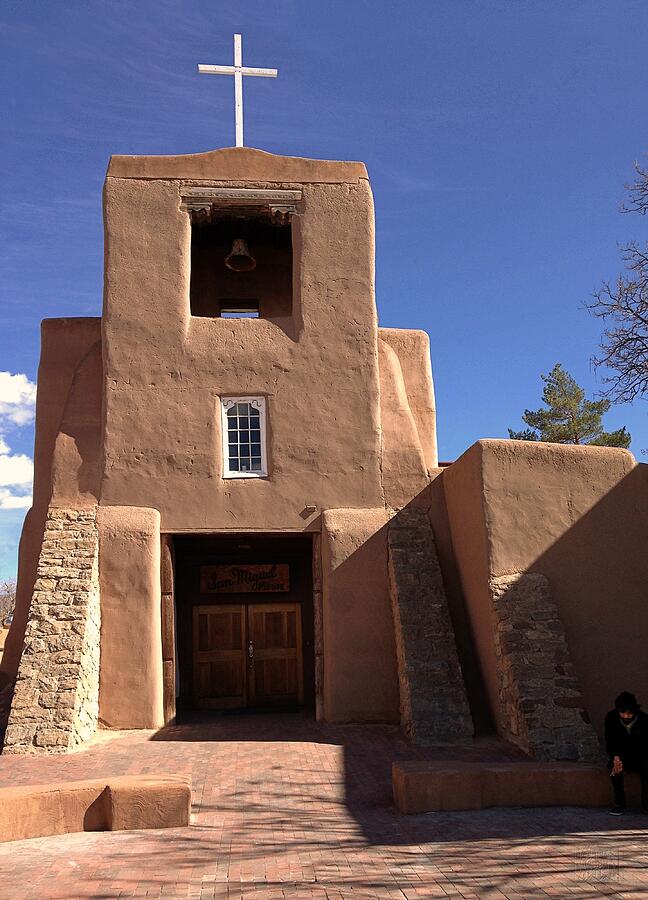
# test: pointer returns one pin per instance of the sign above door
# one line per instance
(245, 579)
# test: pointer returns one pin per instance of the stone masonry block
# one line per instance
(55, 702)
(543, 715)
(434, 706)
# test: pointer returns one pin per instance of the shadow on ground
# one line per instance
(286, 806)
(294, 794)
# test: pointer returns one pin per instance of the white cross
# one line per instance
(238, 70)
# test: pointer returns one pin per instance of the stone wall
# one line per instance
(540, 696)
(433, 699)
(56, 698)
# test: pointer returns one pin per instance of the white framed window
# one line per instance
(244, 437)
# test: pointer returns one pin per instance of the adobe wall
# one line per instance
(404, 469)
(463, 495)
(128, 410)
(165, 370)
(234, 164)
(413, 351)
(77, 458)
(433, 500)
(360, 670)
(131, 674)
(68, 383)
(576, 515)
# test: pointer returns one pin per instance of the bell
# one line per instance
(239, 258)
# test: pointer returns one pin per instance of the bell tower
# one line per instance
(236, 274)
(241, 252)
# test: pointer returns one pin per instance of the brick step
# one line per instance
(421, 786)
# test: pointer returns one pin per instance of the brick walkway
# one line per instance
(284, 807)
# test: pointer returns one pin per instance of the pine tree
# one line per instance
(569, 418)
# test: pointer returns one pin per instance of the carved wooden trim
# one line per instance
(203, 200)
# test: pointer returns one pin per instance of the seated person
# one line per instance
(626, 742)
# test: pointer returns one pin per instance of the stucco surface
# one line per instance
(360, 668)
(123, 804)
(237, 164)
(404, 471)
(165, 371)
(66, 350)
(128, 416)
(578, 516)
(77, 460)
(433, 500)
(413, 351)
(463, 489)
(435, 786)
(31, 538)
(65, 344)
(130, 685)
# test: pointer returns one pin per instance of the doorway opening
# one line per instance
(244, 622)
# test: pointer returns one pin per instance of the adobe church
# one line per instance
(238, 502)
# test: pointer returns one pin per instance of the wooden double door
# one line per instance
(247, 654)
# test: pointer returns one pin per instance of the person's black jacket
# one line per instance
(629, 746)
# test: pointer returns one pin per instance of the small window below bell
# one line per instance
(241, 265)
(239, 309)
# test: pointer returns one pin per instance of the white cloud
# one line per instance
(14, 501)
(17, 399)
(16, 469)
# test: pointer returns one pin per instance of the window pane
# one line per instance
(243, 425)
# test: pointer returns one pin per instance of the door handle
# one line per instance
(251, 653)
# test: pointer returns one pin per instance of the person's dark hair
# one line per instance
(626, 702)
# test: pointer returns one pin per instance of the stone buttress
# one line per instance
(56, 699)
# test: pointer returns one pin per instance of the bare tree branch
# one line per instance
(623, 308)
(637, 192)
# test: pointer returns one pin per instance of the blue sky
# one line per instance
(498, 137)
